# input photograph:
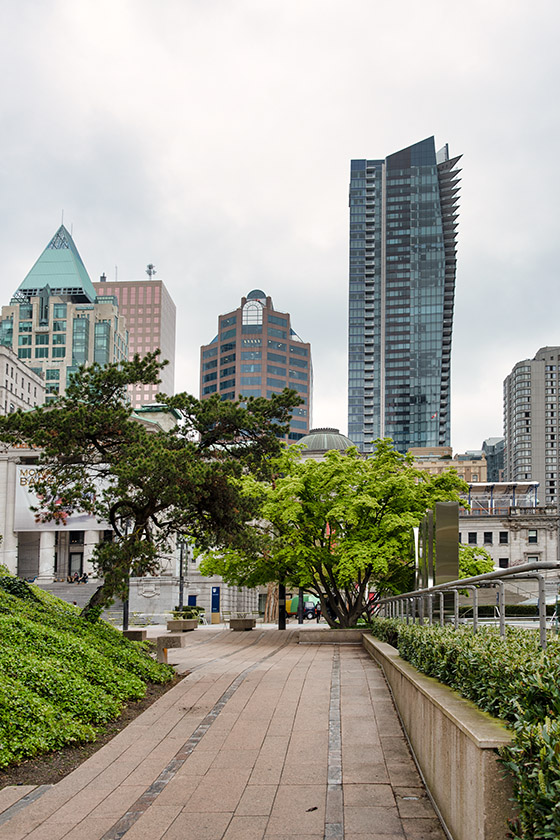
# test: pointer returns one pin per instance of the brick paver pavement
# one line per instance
(265, 739)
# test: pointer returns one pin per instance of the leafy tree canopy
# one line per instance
(474, 560)
(335, 526)
(149, 484)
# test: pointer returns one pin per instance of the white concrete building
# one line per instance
(505, 520)
(20, 387)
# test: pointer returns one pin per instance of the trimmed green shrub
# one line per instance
(520, 610)
(189, 611)
(512, 679)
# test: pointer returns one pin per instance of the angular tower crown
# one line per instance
(59, 267)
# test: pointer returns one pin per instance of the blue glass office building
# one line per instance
(403, 234)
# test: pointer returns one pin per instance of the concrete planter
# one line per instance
(242, 623)
(182, 625)
(455, 745)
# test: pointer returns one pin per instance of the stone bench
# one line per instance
(135, 634)
(169, 640)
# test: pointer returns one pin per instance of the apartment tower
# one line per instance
(531, 432)
(256, 353)
(403, 231)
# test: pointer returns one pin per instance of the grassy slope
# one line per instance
(61, 678)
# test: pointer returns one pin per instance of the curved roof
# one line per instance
(256, 294)
(321, 440)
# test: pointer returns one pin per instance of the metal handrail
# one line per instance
(527, 571)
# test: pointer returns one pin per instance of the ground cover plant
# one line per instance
(61, 677)
(512, 679)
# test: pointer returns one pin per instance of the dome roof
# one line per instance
(321, 440)
(256, 294)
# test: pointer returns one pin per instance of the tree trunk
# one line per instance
(271, 606)
(100, 598)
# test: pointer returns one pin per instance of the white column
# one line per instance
(9, 545)
(90, 541)
(46, 557)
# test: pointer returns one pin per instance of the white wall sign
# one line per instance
(25, 519)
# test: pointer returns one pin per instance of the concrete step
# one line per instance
(78, 594)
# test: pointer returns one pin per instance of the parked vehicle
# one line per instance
(311, 606)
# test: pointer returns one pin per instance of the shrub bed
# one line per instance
(61, 676)
(512, 679)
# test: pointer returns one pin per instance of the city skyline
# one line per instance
(213, 140)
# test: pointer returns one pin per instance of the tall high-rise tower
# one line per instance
(403, 221)
(256, 353)
(531, 412)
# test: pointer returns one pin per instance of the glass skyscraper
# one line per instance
(403, 231)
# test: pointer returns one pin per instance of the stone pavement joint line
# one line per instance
(334, 815)
(23, 803)
(126, 822)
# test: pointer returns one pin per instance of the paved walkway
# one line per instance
(265, 739)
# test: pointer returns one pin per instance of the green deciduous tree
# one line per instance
(147, 483)
(474, 560)
(337, 526)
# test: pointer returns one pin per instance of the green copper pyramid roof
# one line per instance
(61, 268)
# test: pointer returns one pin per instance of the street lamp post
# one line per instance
(125, 606)
(181, 571)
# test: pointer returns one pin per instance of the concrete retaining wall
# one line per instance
(455, 745)
(328, 636)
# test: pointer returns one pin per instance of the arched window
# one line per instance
(253, 312)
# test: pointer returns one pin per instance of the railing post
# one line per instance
(475, 610)
(502, 607)
(430, 608)
(474, 591)
(542, 611)
(456, 608)
(421, 610)
(441, 609)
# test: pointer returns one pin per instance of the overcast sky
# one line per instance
(214, 137)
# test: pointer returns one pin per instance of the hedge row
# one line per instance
(512, 679)
(61, 676)
(521, 610)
